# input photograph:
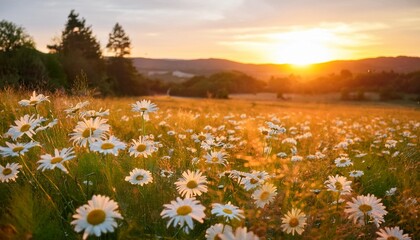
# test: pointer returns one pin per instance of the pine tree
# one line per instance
(119, 42)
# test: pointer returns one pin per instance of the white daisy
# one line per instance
(343, 162)
(216, 231)
(183, 211)
(294, 221)
(356, 173)
(251, 181)
(338, 184)
(110, 146)
(144, 146)
(394, 233)
(50, 162)
(97, 216)
(365, 209)
(88, 131)
(240, 234)
(216, 157)
(73, 109)
(139, 177)
(144, 107)
(228, 211)
(34, 100)
(166, 173)
(16, 150)
(26, 125)
(9, 172)
(191, 184)
(264, 195)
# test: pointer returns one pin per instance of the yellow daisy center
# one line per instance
(56, 160)
(192, 184)
(18, 149)
(184, 210)
(215, 159)
(107, 146)
(25, 128)
(365, 208)
(253, 181)
(139, 177)
(141, 147)
(33, 102)
(264, 195)
(293, 222)
(217, 237)
(392, 238)
(201, 137)
(96, 217)
(143, 109)
(343, 161)
(264, 132)
(227, 211)
(7, 171)
(88, 132)
(338, 186)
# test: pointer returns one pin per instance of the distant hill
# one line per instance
(172, 69)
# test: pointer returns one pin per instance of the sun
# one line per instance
(304, 47)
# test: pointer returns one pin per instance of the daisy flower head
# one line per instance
(216, 157)
(144, 146)
(294, 221)
(26, 125)
(9, 172)
(356, 173)
(50, 162)
(139, 177)
(365, 209)
(241, 233)
(73, 109)
(201, 137)
(264, 195)
(343, 162)
(89, 130)
(191, 184)
(251, 181)
(97, 216)
(183, 211)
(393, 233)
(34, 100)
(227, 211)
(338, 184)
(110, 146)
(216, 231)
(144, 107)
(16, 150)
(166, 173)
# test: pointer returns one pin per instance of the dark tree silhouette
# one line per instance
(118, 42)
(13, 37)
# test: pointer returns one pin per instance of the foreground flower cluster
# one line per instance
(225, 176)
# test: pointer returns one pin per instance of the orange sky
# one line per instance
(299, 32)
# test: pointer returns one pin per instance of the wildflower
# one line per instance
(112, 145)
(264, 195)
(50, 162)
(216, 157)
(16, 150)
(296, 158)
(294, 221)
(338, 184)
(139, 177)
(26, 125)
(191, 184)
(96, 217)
(391, 191)
(366, 209)
(144, 146)
(49, 125)
(240, 234)
(356, 173)
(166, 173)
(144, 107)
(251, 181)
(88, 131)
(34, 100)
(94, 114)
(217, 231)
(183, 211)
(228, 211)
(343, 162)
(9, 172)
(394, 233)
(72, 110)
(290, 141)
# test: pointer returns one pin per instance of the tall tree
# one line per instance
(119, 43)
(13, 37)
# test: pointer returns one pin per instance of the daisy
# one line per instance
(228, 211)
(338, 184)
(97, 216)
(356, 173)
(9, 172)
(240, 234)
(73, 109)
(201, 137)
(251, 181)
(294, 221)
(216, 157)
(26, 125)
(34, 100)
(50, 162)
(16, 150)
(264, 195)
(191, 184)
(343, 162)
(366, 209)
(144, 107)
(143, 147)
(183, 211)
(110, 146)
(394, 233)
(88, 131)
(166, 173)
(218, 230)
(139, 177)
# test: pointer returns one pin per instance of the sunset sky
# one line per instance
(250, 31)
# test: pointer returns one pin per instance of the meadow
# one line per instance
(178, 168)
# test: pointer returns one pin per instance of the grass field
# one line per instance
(257, 160)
